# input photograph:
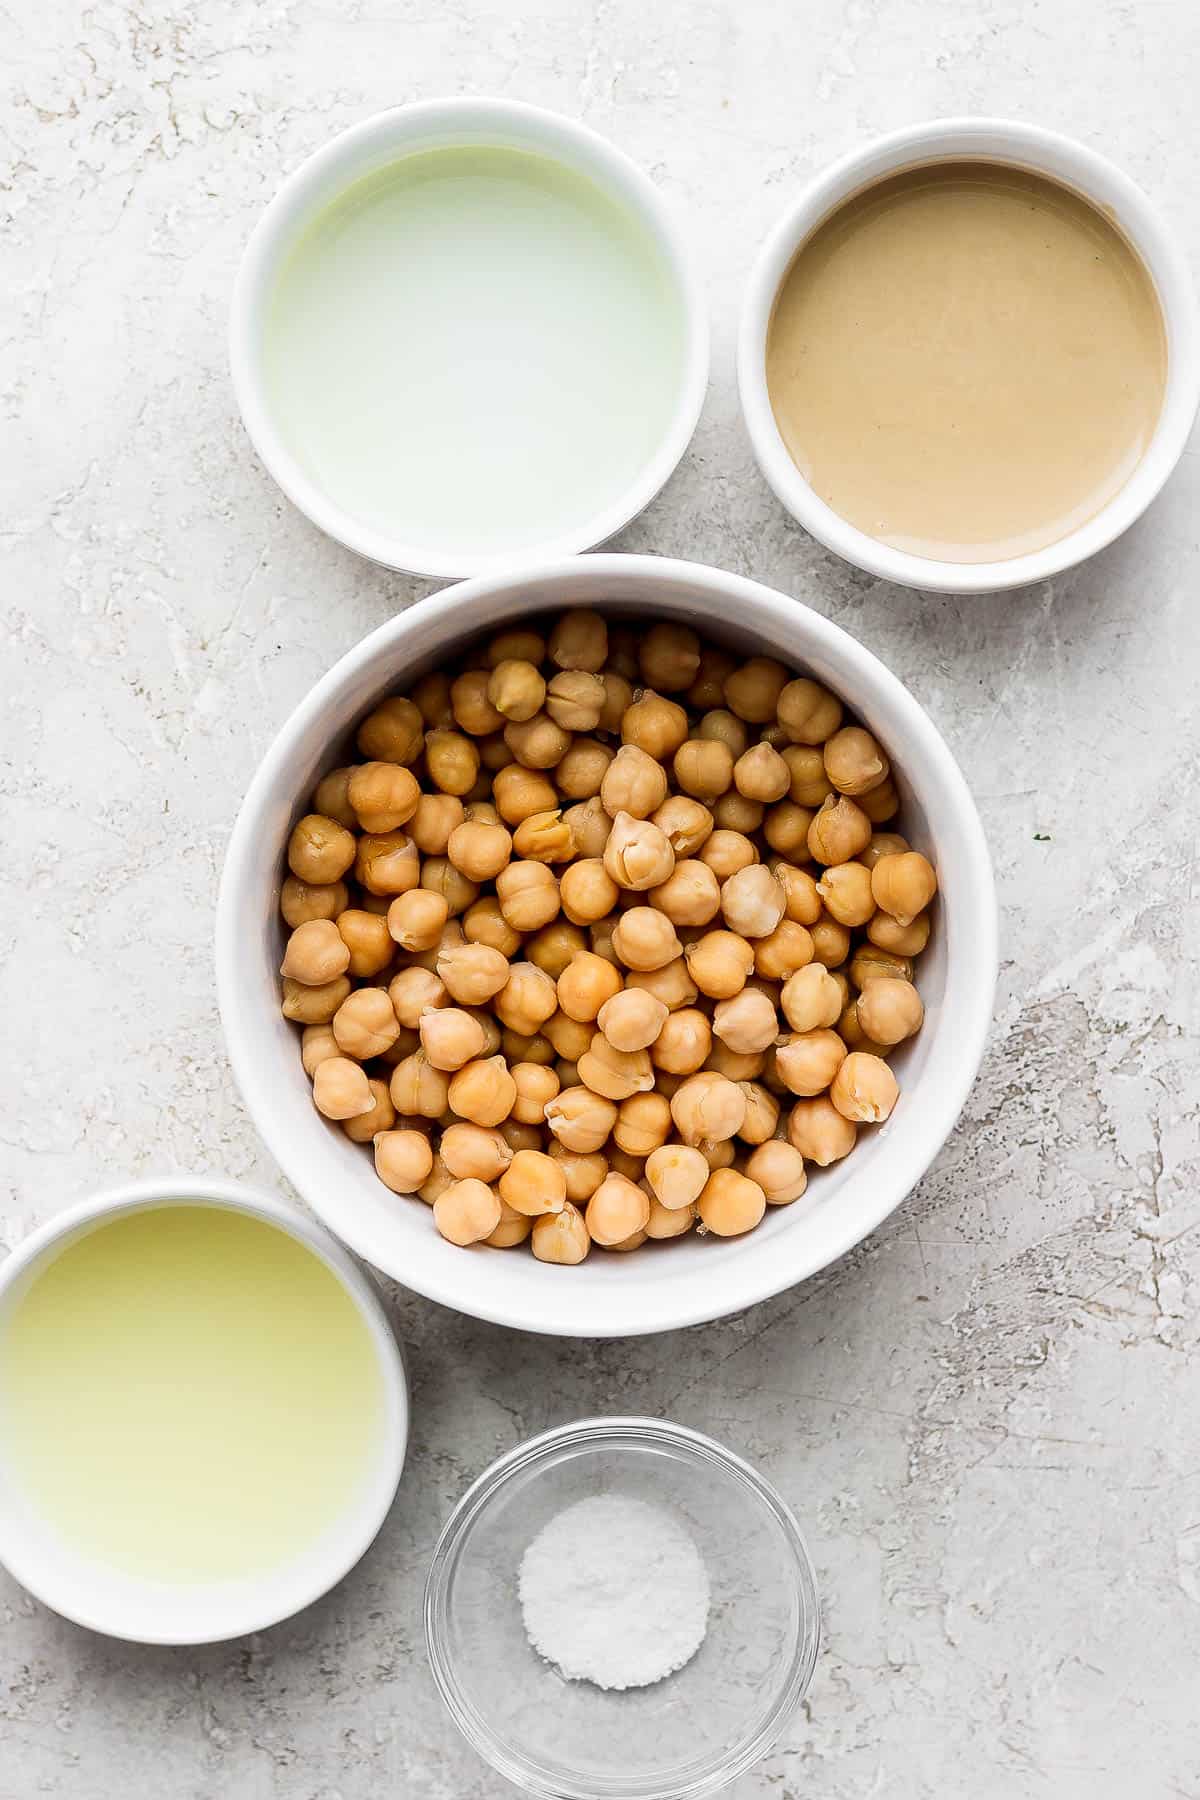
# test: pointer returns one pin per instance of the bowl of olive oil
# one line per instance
(203, 1412)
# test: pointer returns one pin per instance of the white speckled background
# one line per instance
(988, 1417)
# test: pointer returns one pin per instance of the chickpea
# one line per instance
(383, 795)
(520, 793)
(553, 947)
(525, 1047)
(811, 999)
(380, 1116)
(883, 843)
(819, 1131)
(846, 893)
(471, 973)
(579, 641)
(528, 895)
(544, 837)
(433, 698)
(332, 797)
(851, 1032)
(719, 1155)
(708, 1108)
(736, 1065)
(580, 774)
(632, 1019)
(870, 963)
(719, 964)
(761, 774)
(733, 812)
(890, 1011)
(725, 852)
(704, 768)
(644, 939)
(526, 1000)
(747, 1022)
(341, 1089)
(536, 1087)
(484, 924)
(618, 698)
(471, 708)
(654, 725)
(637, 854)
(676, 1174)
(452, 761)
(494, 753)
(394, 732)
(412, 991)
(762, 1113)
(575, 700)
(643, 1124)
(320, 850)
(887, 933)
(588, 891)
(665, 1223)
(854, 761)
(368, 942)
(616, 1210)
(478, 1152)
(438, 1180)
(683, 1043)
(467, 1212)
(583, 1174)
(561, 1237)
(691, 894)
(669, 658)
(479, 851)
(839, 831)
(864, 1089)
(613, 1073)
(483, 1092)
(302, 901)
(403, 1160)
(585, 985)
(778, 1168)
(785, 828)
(317, 1045)
(730, 1203)
(439, 876)
(533, 1184)
(686, 824)
(569, 1038)
(513, 1229)
(808, 712)
(903, 885)
(387, 863)
(518, 645)
(752, 692)
(537, 743)
(450, 1037)
(431, 825)
(590, 827)
(881, 803)
(752, 901)
(830, 941)
(708, 687)
(633, 783)
(313, 1005)
(808, 1060)
(515, 691)
(671, 983)
(809, 783)
(315, 953)
(417, 919)
(580, 1119)
(365, 1024)
(801, 901)
(722, 727)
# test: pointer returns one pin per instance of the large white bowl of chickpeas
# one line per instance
(604, 948)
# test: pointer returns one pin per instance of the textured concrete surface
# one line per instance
(988, 1416)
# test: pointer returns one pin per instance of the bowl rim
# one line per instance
(285, 1591)
(561, 139)
(1060, 158)
(596, 1432)
(463, 605)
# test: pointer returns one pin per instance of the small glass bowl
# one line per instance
(689, 1734)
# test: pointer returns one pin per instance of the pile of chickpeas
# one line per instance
(606, 937)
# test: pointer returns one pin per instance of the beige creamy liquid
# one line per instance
(966, 361)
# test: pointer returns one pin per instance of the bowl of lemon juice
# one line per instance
(203, 1412)
(467, 333)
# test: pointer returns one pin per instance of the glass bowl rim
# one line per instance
(638, 1432)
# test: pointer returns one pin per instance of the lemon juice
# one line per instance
(188, 1394)
(476, 346)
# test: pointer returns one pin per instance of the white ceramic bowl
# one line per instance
(117, 1603)
(608, 1296)
(1027, 147)
(372, 145)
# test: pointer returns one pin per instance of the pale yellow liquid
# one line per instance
(188, 1394)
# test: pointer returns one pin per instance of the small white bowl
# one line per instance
(608, 1296)
(1023, 146)
(373, 145)
(153, 1612)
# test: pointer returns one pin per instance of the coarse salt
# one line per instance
(614, 1591)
